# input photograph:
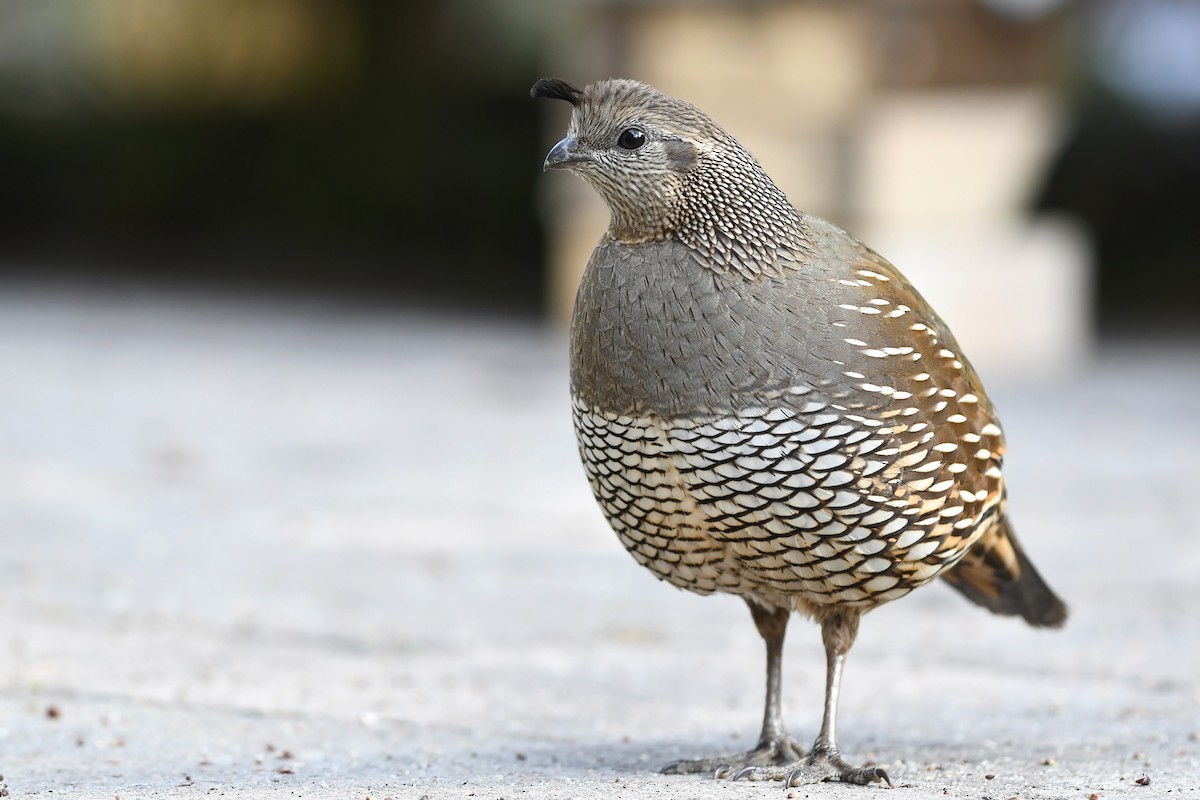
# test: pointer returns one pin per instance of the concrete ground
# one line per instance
(260, 550)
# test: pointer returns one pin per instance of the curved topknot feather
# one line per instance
(556, 89)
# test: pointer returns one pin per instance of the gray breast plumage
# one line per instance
(797, 438)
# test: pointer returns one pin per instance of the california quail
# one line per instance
(766, 407)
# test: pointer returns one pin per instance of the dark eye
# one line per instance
(631, 139)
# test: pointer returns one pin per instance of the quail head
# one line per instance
(767, 408)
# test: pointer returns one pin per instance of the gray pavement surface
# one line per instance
(257, 549)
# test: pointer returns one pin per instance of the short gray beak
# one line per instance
(564, 155)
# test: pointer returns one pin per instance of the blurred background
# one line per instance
(368, 147)
(1039, 148)
(285, 456)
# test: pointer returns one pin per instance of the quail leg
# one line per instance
(823, 762)
(775, 746)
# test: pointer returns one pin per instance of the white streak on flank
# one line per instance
(990, 430)
(855, 342)
(866, 273)
(956, 419)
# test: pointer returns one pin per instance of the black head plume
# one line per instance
(556, 89)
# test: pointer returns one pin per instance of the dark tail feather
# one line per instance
(996, 574)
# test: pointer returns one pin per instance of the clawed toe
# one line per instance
(750, 774)
(768, 764)
(865, 775)
(809, 773)
(818, 767)
(775, 773)
(772, 756)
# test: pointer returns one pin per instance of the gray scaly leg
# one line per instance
(824, 762)
(775, 746)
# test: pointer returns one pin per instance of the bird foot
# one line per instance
(771, 754)
(815, 767)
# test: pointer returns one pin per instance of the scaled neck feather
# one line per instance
(737, 219)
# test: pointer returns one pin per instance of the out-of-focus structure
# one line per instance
(390, 149)
(923, 126)
(365, 146)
